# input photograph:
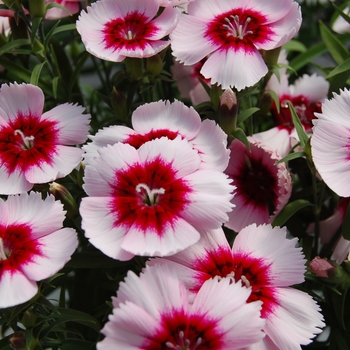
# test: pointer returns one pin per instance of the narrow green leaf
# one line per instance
(295, 45)
(241, 136)
(243, 115)
(275, 98)
(292, 156)
(34, 79)
(342, 68)
(55, 81)
(12, 44)
(289, 210)
(333, 44)
(35, 25)
(303, 138)
(341, 12)
(64, 28)
(306, 57)
(346, 224)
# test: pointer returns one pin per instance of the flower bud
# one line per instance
(228, 110)
(29, 319)
(119, 105)
(18, 341)
(61, 193)
(134, 66)
(321, 267)
(154, 65)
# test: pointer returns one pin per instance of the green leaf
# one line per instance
(12, 44)
(35, 25)
(241, 136)
(295, 45)
(34, 79)
(243, 115)
(299, 128)
(55, 81)
(292, 156)
(342, 68)
(289, 210)
(333, 44)
(341, 12)
(346, 224)
(275, 98)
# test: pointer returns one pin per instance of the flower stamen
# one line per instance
(235, 28)
(28, 141)
(4, 254)
(151, 197)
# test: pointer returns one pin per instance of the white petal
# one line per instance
(15, 288)
(73, 125)
(314, 87)
(163, 115)
(99, 227)
(23, 99)
(55, 250)
(43, 216)
(174, 237)
(295, 320)
(13, 183)
(63, 161)
(275, 251)
(240, 68)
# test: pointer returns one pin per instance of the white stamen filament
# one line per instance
(129, 35)
(245, 281)
(151, 194)
(27, 140)
(184, 344)
(235, 28)
(3, 255)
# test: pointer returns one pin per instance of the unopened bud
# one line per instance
(62, 194)
(29, 319)
(154, 65)
(228, 110)
(119, 105)
(321, 267)
(18, 341)
(134, 66)
(330, 272)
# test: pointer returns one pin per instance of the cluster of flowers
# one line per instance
(164, 188)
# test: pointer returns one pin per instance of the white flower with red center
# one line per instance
(263, 259)
(263, 187)
(35, 146)
(33, 245)
(164, 119)
(71, 6)
(306, 95)
(151, 201)
(116, 29)
(155, 311)
(231, 33)
(330, 143)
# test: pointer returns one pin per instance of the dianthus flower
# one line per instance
(33, 245)
(306, 95)
(263, 187)
(115, 29)
(330, 143)
(231, 33)
(155, 311)
(150, 201)
(34, 146)
(268, 263)
(162, 118)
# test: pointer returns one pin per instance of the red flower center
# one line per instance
(304, 109)
(237, 29)
(179, 331)
(252, 272)
(138, 140)
(129, 33)
(148, 196)
(16, 247)
(27, 141)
